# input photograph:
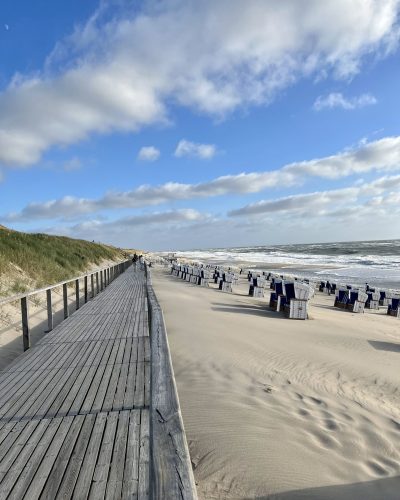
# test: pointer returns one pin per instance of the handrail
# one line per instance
(14, 298)
(104, 276)
(171, 470)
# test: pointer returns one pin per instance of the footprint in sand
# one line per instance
(330, 425)
(376, 468)
(324, 440)
(303, 412)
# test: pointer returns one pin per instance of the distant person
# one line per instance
(328, 287)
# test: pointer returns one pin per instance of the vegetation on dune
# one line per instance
(29, 261)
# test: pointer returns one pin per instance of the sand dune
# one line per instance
(276, 408)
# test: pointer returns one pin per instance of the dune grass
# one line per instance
(36, 260)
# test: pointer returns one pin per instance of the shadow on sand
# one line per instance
(385, 346)
(253, 310)
(379, 489)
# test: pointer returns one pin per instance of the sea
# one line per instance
(354, 262)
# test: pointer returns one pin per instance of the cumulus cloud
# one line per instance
(351, 210)
(98, 228)
(148, 153)
(121, 72)
(337, 100)
(187, 148)
(322, 203)
(382, 155)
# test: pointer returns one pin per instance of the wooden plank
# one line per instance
(61, 463)
(80, 435)
(14, 462)
(30, 469)
(170, 461)
(101, 471)
(144, 460)
(130, 484)
(115, 478)
(86, 472)
(68, 482)
(46, 466)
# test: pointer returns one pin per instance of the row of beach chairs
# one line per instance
(356, 300)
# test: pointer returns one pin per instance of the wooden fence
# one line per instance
(99, 280)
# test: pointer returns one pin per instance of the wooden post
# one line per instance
(92, 285)
(77, 294)
(108, 272)
(65, 300)
(25, 323)
(49, 311)
(97, 283)
(101, 280)
(86, 288)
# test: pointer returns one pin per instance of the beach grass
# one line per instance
(34, 260)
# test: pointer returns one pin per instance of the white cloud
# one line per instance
(337, 100)
(322, 203)
(124, 71)
(380, 156)
(72, 164)
(97, 228)
(187, 148)
(340, 214)
(148, 153)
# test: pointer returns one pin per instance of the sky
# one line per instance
(182, 124)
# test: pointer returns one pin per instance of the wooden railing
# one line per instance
(99, 280)
(171, 470)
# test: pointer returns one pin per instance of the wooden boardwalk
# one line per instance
(75, 410)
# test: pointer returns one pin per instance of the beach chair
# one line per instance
(256, 288)
(356, 301)
(297, 296)
(341, 298)
(372, 300)
(277, 298)
(394, 308)
(225, 286)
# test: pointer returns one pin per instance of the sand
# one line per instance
(285, 409)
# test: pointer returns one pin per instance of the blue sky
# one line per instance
(180, 124)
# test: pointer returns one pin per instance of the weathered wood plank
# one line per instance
(171, 468)
(74, 410)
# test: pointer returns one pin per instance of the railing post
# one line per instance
(86, 288)
(49, 311)
(25, 323)
(101, 280)
(65, 300)
(77, 294)
(97, 283)
(92, 285)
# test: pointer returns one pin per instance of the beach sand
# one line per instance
(285, 409)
